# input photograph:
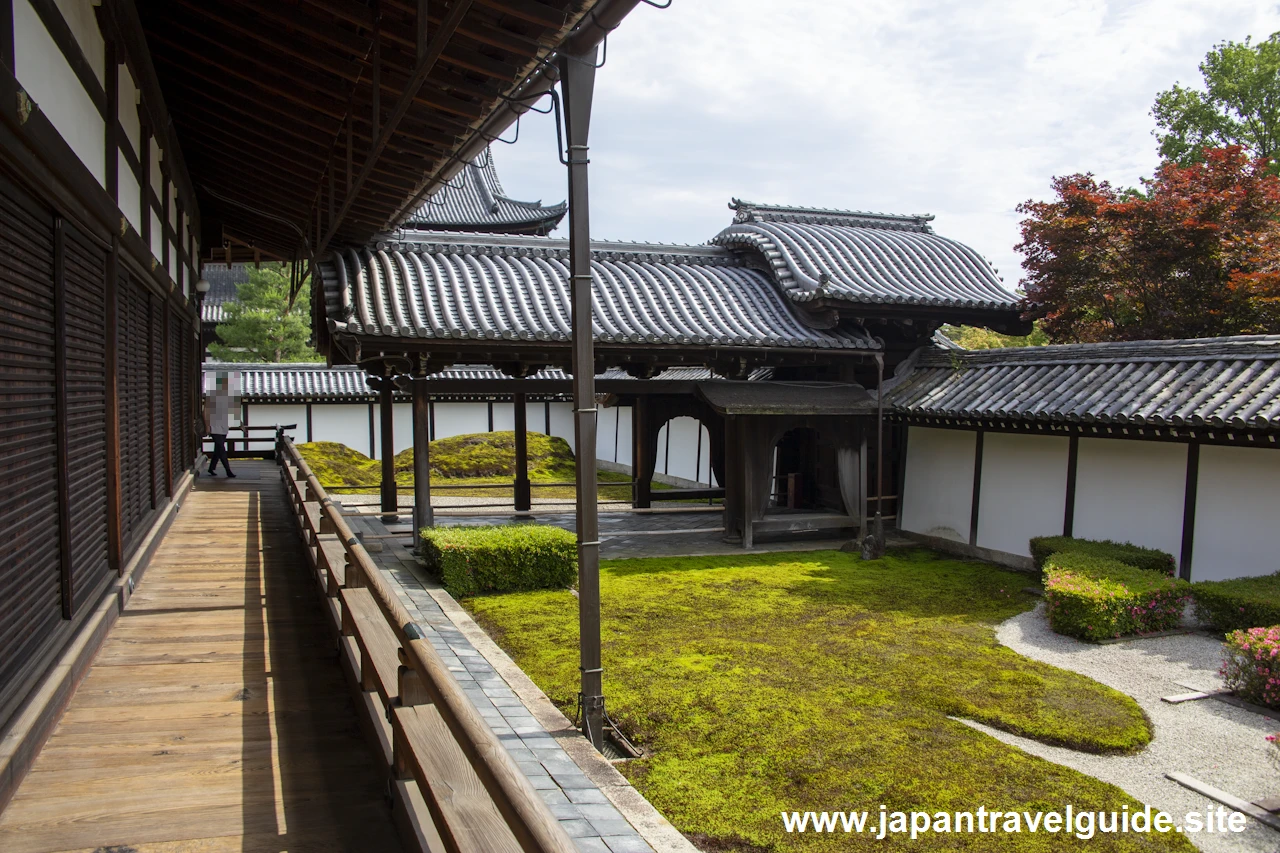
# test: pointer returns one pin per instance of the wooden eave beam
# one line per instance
(457, 11)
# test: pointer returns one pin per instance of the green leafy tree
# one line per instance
(1240, 105)
(976, 337)
(260, 325)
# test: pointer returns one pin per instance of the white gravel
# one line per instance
(1210, 740)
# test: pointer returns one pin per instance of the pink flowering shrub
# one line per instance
(1094, 598)
(1252, 666)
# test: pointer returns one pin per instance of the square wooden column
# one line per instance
(523, 492)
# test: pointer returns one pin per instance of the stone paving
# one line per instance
(582, 808)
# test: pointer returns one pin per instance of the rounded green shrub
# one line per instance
(1239, 604)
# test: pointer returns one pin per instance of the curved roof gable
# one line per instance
(478, 203)
(860, 257)
(518, 289)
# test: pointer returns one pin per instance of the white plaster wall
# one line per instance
(678, 450)
(84, 26)
(402, 423)
(623, 435)
(265, 414)
(938, 495)
(345, 423)
(157, 186)
(562, 421)
(49, 81)
(1024, 490)
(1131, 491)
(461, 419)
(1237, 530)
(130, 192)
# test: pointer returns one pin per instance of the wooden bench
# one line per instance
(379, 647)
(454, 794)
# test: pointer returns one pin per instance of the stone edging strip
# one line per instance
(639, 812)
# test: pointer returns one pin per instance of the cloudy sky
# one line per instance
(960, 109)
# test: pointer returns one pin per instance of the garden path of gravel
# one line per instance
(1217, 743)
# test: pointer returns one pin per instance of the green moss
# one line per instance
(817, 681)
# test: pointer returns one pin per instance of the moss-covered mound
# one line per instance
(493, 454)
(337, 465)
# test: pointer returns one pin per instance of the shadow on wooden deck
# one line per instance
(215, 717)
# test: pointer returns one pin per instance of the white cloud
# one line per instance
(961, 109)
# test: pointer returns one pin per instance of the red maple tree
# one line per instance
(1197, 255)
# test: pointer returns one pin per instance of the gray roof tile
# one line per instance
(512, 288)
(1210, 382)
(474, 201)
(868, 258)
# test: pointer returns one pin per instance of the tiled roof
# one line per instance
(222, 289)
(1210, 382)
(474, 201)
(867, 258)
(307, 382)
(517, 289)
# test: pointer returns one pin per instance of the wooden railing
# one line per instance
(431, 735)
(263, 446)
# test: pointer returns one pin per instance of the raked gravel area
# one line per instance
(1217, 743)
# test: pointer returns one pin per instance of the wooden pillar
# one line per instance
(390, 496)
(523, 493)
(642, 456)
(977, 490)
(422, 513)
(111, 331)
(748, 481)
(1189, 510)
(1069, 509)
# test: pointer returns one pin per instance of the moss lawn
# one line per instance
(815, 681)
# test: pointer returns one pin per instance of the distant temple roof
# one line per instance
(474, 201)
(867, 258)
(1209, 382)
(306, 382)
(222, 289)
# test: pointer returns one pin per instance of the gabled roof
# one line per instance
(1210, 382)
(474, 201)
(864, 258)
(472, 287)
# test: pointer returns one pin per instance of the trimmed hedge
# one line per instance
(1042, 547)
(473, 560)
(1239, 604)
(1095, 598)
(1252, 665)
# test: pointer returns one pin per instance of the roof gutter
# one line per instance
(591, 29)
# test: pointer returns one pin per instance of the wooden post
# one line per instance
(390, 495)
(422, 513)
(642, 461)
(523, 493)
(977, 490)
(111, 331)
(1189, 510)
(1069, 510)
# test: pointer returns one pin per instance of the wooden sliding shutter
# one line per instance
(84, 271)
(135, 408)
(156, 377)
(176, 390)
(30, 573)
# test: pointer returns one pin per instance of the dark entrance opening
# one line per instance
(806, 473)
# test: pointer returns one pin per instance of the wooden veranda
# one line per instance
(216, 713)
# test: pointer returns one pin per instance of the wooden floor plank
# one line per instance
(215, 717)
